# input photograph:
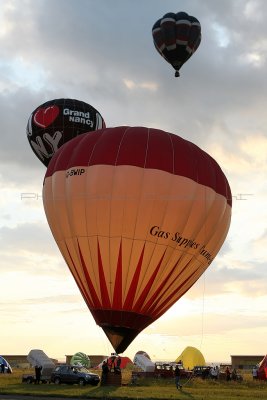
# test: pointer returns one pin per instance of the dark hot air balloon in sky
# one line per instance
(176, 37)
(138, 214)
(58, 121)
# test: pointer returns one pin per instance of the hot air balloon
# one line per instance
(5, 366)
(80, 359)
(142, 353)
(176, 37)
(138, 214)
(191, 357)
(56, 122)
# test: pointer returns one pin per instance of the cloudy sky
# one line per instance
(101, 52)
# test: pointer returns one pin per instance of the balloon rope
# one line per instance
(202, 326)
(204, 283)
(188, 380)
(203, 310)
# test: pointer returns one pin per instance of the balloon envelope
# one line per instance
(138, 214)
(191, 357)
(176, 37)
(143, 353)
(5, 365)
(80, 359)
(56, 122)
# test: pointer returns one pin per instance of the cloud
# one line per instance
(214, 323)
(28, 237)
(261, 241)
(143, 85)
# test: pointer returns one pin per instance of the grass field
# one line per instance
(196, 389)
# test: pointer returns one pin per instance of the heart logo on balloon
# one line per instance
(45, 116)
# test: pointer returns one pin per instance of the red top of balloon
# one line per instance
(142, 147)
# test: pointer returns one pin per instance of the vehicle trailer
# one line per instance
(157, 370)
(37, 358)
(166, 370)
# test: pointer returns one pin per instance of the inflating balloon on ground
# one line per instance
(80, 359)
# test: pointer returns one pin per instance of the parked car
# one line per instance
(74, 374)
(201, 371)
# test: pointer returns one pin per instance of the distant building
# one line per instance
(20, 361)
(17, 360)
(245, 362)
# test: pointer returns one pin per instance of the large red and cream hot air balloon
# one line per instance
(138, 214)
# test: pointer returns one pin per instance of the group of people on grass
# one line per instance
(212, 372)
(231, 375)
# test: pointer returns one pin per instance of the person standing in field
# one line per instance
(228, 374)
(38, 370)
(177, 375)
(105, 371)
(255, 373)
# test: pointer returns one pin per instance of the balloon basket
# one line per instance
(112, 379)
